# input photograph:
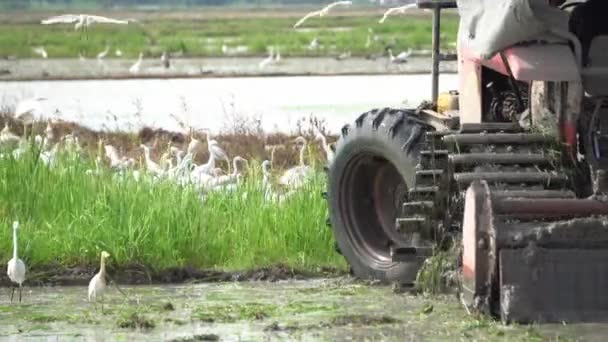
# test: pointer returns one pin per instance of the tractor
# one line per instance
(510, 167)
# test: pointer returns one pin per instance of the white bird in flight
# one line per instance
(82, 20)
(397, 10)
(323, 12)
(40, 51)
(16, 267)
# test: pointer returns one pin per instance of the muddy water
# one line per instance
(328, 309)
(276, 102)
(183, 67)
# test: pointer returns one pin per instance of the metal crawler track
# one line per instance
(514, 163)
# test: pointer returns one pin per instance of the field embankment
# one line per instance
(73, 209)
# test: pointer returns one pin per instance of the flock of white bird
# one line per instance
(175, 164)
(84, 21)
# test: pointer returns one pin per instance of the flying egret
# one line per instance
(323, 12)
(40, 51)
(83, 20)
(98, 283)
(135, 68)
(103, 54)
(16, 267)
(397, 10)
(400, 58)
(298, 175)
(29, 110)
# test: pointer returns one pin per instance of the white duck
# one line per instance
(298, 175)
(16, 267)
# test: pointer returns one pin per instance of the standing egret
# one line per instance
(231, 178)
(326, 147)
(103, 54)
(151, 165)
(400, 58)
(7, 137)
(267, 61)
(298, 175)
(98, 283)
(16, 268)
(322, 12)
(165, 60)
(135, 68)
(314, 44)
(40, 51)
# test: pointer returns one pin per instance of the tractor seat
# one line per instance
(595, 74)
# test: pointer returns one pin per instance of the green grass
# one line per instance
(68, 217)
(205, 37)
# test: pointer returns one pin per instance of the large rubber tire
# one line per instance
(373, 168)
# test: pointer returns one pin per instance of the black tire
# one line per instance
(374, 166)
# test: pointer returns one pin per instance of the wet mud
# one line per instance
(319, 309)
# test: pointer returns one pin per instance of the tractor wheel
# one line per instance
(374, 166)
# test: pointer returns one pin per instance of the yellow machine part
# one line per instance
(447, 102)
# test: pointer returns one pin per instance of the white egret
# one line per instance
(83, 21)
(16, 267)
(151, 165)
(267, 61)
(400, 58)
(343, 56)
(231, 178)
(49, 132)
(323, 12)
(41, 51)
(118, 53)
(98, 283)
(396, 10)
(135, 68)
(165, 60)
(329, 153)
(29, 110)
(314, 44)
(277, 57)
(103, 54)
(7, 137)
(298, 175)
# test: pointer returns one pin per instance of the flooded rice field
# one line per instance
(277, 103)
(323, 309)
(34, 69)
